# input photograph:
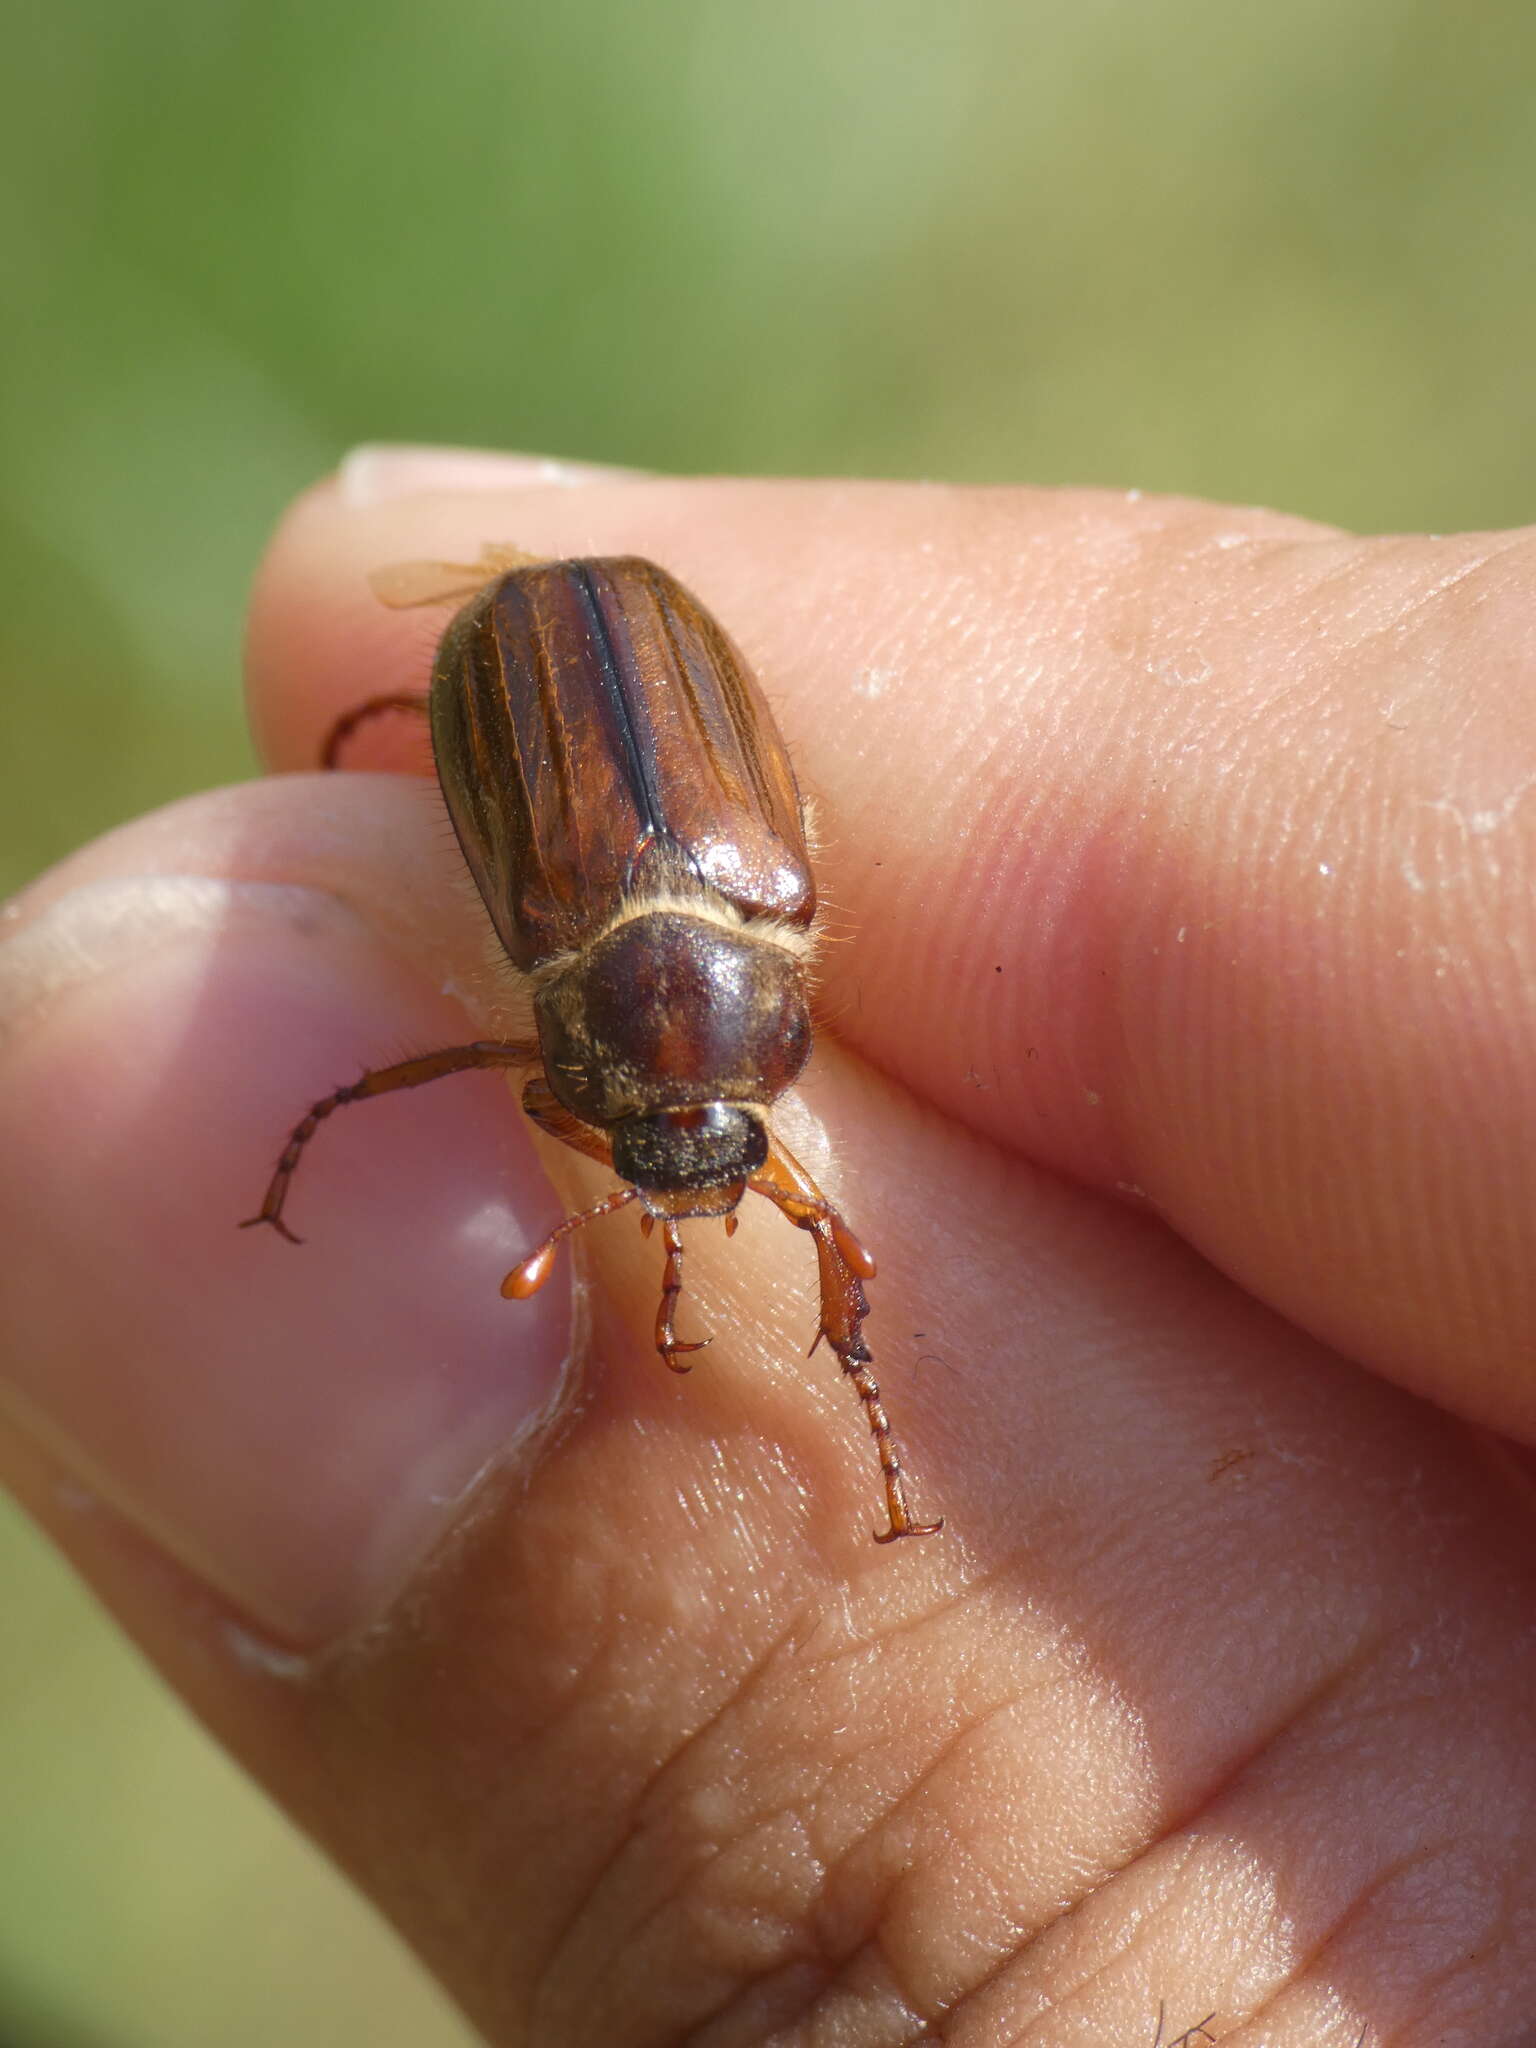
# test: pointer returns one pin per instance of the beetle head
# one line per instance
(693, 1161)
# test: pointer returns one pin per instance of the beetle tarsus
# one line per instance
(855, 1362)
(277, 1224)
(897, 1530)
(670, 1354)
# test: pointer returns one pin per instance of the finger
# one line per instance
(658, 1723)
(657, 1738)
(170, 1005)
(177, 997)
(578, 1815)
(1186, 849)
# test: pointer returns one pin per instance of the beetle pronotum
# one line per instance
(628, 812)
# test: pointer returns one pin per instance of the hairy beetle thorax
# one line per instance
(670, 1010)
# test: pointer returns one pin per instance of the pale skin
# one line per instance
(1179, 1070)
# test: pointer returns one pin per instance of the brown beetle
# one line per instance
(626, 807)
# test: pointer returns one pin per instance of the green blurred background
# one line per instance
(1266, 254)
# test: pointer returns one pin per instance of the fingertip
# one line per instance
(296, 1427)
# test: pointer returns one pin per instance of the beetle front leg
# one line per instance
(430, 1066)
(556, 1121)
(529, 1277)
(843, 1265)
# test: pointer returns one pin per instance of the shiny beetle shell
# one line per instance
(599, 739)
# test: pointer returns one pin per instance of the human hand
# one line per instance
(1180, 985)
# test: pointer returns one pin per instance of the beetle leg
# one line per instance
(667, 1341)
(429, 1066)
(401, 585)
(556, 1120)
(843, 1266)
(349, 721)
(529, 1277)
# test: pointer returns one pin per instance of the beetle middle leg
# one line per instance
(668, 1343)
(402, 585)
(429, 1066)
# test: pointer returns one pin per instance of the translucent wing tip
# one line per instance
(402, 585)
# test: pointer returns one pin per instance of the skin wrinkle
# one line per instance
(1140, 1921)
(873, 1941)
(1486, 1939)
(873, 1946)
(1334, 560)
(1490, 551)
(737, 2006)
(909, 1630)
(878, 1910)
(915, 2029)
(795, 1948)
(1230, 1776)
(1254, 717)
(1355, 1911)
(650, 1793)
(1492, 1940)
(741, 1697)
(1306, 1967)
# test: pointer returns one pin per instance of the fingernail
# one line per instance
(297, 1424)
(381, 470)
